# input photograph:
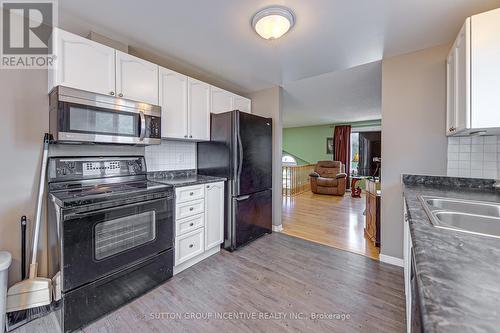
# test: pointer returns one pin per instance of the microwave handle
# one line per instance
(142, 134)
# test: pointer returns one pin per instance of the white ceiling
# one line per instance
(215, 36)
(349, 95)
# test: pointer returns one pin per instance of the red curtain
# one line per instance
(342, 146)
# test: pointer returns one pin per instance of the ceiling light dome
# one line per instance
(273, 22)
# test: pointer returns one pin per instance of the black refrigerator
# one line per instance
(240, 149)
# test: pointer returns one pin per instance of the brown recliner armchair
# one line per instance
(329, 178)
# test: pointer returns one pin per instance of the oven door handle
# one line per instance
(142, 134)
(105, 210)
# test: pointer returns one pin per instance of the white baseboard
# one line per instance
(278, 228)
(392, 260)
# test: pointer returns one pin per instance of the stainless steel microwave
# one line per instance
(78, 116)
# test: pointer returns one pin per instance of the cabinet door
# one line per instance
(241, 103)
(450, 93)
(214, 215)
(136, 79)
(485, 44)
(198, 110)
(173, 102)
(462, 79)
(82, 64)
(221, 100)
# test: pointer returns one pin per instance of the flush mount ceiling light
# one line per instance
(273, 22)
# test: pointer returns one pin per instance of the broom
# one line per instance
(31, 298)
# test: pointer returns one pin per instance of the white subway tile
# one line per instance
(476, 164)
(464, 173)
(490, 157)
(490, 165)
(465, 148)
(465, 140)
(490, 140)
(490, 148)
(453, 173)
(453, 140)
(477, 156)
(490, 174)
(464, 164)
(476, 173)
(464, 156)
(477, 140)
(453, 148)
(477, 148)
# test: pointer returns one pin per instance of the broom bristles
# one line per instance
(16, 319)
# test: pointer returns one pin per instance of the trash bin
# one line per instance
(5, 259)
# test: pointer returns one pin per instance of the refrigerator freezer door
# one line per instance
(253, 154)
(252, 218)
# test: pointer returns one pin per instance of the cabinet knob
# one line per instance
(191, 208)
(191, 245)
(191, 193)
(112, 93)
(191, 136)
(452, 129)
(191, 224)
(120, 95)
(208, 186)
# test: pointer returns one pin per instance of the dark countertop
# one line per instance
(182, 178)
(458, 274)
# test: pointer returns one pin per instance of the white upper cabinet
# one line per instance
(82, 64)
(241, 103)
(173, 102)
(136, 79)
(198, 110)
(473, 77)
(222, 100)
(214, 215)
(485, 76)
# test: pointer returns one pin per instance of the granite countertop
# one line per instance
(182, 178)
(458, 274)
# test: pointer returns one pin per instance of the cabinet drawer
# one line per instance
(189, 245)
(189, 224)
(189, 208)
(188, 193)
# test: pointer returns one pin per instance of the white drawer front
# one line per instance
(189, 224)
(189, 245)
(190, 208)
(188, 193)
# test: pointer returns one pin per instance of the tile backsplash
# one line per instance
(171, 155)
(476, 157)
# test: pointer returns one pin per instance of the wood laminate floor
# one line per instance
(336, 221)
(277, 275)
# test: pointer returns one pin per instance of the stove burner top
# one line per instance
(80, 195)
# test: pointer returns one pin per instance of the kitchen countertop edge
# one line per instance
(450, 297)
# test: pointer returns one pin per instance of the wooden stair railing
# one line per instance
(296, 179)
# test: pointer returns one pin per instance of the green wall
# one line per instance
(309, 143)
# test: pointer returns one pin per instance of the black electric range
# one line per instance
(110, 234)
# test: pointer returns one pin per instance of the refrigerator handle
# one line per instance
(245, 197)
(240, 156)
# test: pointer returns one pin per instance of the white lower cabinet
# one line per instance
(407, 249)
(189, 245)
(199, 223)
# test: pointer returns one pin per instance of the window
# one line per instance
(354, 154)
(288, 160)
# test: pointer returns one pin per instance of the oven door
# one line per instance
(84, 123)
(102, 242)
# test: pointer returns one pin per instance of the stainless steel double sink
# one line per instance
(474, 217)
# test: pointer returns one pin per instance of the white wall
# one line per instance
(268, 103)
(413, 131)
(475, 157)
